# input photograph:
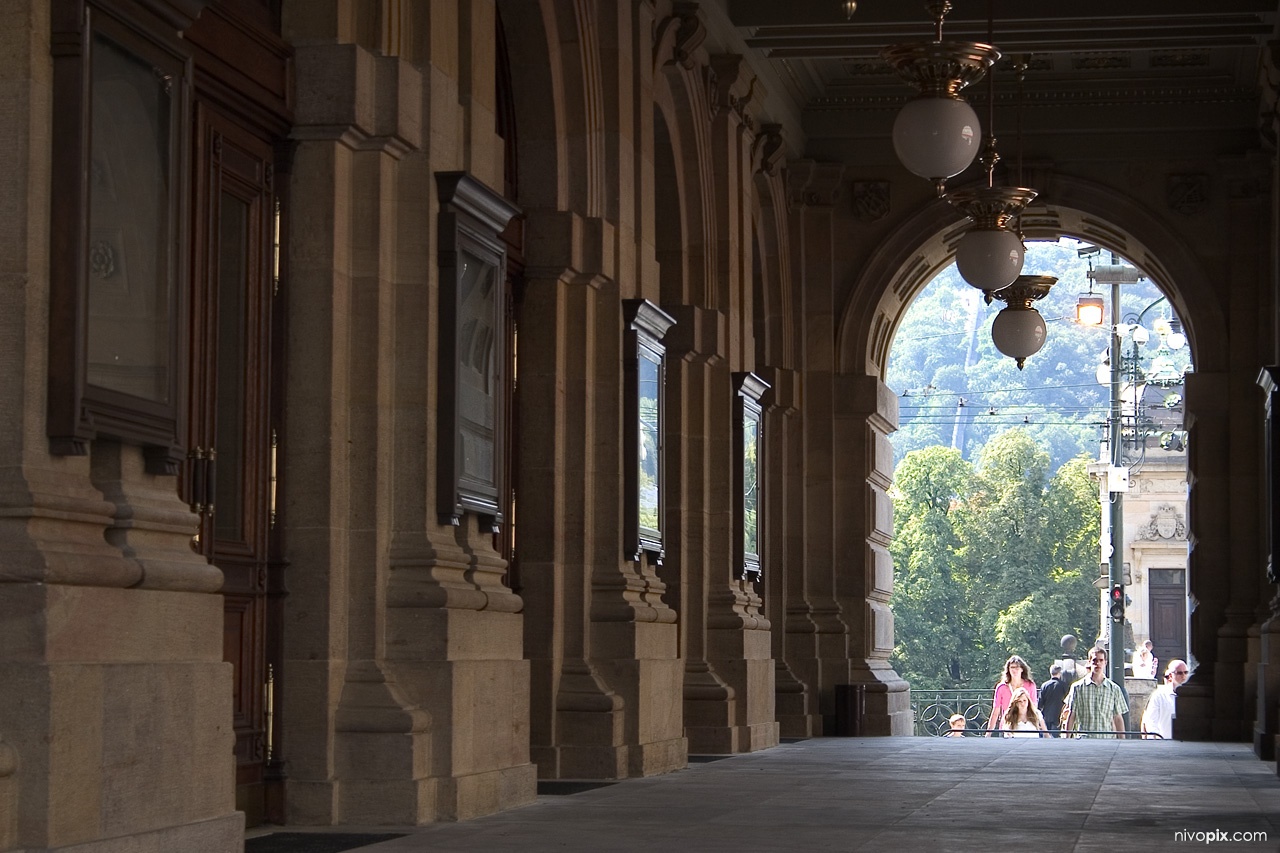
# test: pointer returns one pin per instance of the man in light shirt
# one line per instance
(1096, 704)
(1162, 706)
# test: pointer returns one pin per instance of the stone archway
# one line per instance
(922, 243)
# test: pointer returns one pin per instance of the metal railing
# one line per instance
(931, 709)
(931, 712)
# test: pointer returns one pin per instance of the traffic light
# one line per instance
(1117, 602)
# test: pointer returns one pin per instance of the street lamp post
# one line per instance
(1115, 569)
(1115, 275)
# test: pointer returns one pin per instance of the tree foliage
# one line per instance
(991, 560)
(958, 390)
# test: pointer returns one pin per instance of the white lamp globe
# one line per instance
(990, 258)
(936, 137)
(1018, 332)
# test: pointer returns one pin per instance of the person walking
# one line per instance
(1095, 703)
(1022, 719)
(1157, 719)
(1053, 696)
(1016, 674)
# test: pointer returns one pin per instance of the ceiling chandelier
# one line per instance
(936, 136)
(990, 254)
(1019, 330)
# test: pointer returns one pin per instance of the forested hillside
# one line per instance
(956, 390)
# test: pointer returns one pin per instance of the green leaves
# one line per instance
(990, 560)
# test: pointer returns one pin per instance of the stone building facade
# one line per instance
(337, 337)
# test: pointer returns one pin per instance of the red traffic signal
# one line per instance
(1117, 602)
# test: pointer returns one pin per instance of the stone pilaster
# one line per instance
(360, 749)
(866, 412)
(782, 526)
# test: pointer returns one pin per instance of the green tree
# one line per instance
(930, 485)
(991, 560)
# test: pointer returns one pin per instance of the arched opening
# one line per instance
(1008, 481)
(899, 268)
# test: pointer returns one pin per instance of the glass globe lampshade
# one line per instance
(990, 258)
(936, 137)
(1176, 340)
(1018, 332)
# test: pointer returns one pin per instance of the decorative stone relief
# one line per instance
(870, 200)
(1188, 194)
(1165, 523)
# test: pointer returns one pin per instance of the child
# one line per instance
(957, 724)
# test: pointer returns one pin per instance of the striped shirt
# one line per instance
(1096, 705)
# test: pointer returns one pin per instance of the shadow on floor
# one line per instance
(313, 842)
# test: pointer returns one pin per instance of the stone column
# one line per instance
(814, 189)
(359, 745)
(601, 641)
(1217, 640)
(115, 715)
(696, 556)
(1266, 727)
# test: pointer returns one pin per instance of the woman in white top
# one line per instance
(1023, 718)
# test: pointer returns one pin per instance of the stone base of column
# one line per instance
(116, 709)
(478, 794)
(218, 835)
(743, 657)
(382, 752)
(791, 705)
(1264, 744)
(887, 702)
(464, 668)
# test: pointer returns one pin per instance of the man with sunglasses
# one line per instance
(1096, 704)
(1157, 719)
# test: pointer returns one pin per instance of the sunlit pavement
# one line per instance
(905, 794)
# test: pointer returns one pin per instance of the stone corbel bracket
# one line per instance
(366, 101)
(677, 37)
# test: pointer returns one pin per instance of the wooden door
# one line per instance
(241, 116)
(1168, 608)
(229, 474)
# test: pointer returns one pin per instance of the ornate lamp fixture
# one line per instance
(936, 134)
(1019, 330)
(990, 254)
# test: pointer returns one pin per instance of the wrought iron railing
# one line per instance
(931, 709)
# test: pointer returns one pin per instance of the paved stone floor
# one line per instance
(904, 794)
